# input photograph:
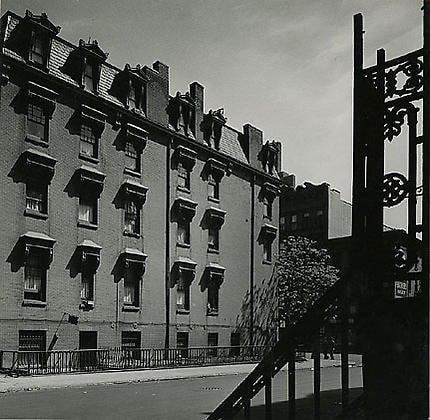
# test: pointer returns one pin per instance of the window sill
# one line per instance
(213, 199)
(183, 189)
(213, 251)
(37, 65)
(87, 225)
(130, 308)
(132, 173)
(87, 305)
(212, 312)
(35, 214)
(132, 234)
(267, 262)
(182, 245)
(34, 303)
(36, 140)
(183, 311)
(88, 158)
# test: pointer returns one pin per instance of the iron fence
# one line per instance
(69, 361)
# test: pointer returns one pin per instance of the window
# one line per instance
(267, 251)
(131, 287)
(305, 220)
(36, 197)
(32, 341)
(89, 76)
(282, 223)
(131, 217)
(34, 278)
(87, 286)
(130, 344)
(182, 343)
(182, 295)
(213, 298)
(213, 238)
(267, 208)
(132, 157)
(183, 273)
(37, 123)
(319, 218)
(183, 233)
(235, 344)
(213, 187)
(89, 142)
(37, 49)
(183, 177)
(293, 222)
(132, 96)
(88, 207)
(212, 342)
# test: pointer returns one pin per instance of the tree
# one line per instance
(304, 273)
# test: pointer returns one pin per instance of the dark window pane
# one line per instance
(132, 217)
(36, 121)
(37, 49)
(131, 288)
(36, 197)
(88, 208)
(88, 144)
(89, 77)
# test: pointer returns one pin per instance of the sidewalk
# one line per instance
(33, 383)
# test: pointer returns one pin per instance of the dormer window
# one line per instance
(182, 114)
(84, 65)
(89, 77)
(129, 87)
(32, 39)
(37, 49)
(213, 123)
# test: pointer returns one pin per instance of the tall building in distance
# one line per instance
(314, 211)
(152, 220)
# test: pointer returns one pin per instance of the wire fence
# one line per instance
(69, 361)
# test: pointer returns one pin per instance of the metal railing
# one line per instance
(69, 361)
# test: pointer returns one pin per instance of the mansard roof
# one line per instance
(230, 143)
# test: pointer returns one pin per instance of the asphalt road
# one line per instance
(174, 399)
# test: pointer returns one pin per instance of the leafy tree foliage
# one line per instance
(304, 273)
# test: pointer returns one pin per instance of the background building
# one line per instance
(149, 218)
(315, 211)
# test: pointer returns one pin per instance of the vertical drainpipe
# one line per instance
(251, 265)
(167, 244)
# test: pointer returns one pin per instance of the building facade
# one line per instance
(314, 211)
(150, 219)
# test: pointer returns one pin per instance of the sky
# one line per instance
(284, 66)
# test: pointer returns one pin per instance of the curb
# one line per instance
(30, 383)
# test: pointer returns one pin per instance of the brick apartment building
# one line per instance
(315, 211)
(152, 221)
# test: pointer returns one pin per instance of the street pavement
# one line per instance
(32, 383)
(188, 399)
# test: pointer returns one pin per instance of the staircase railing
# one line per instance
(282, 353)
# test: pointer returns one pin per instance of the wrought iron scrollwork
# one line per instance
(395, 189)
(412, 70)
(393, 120)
